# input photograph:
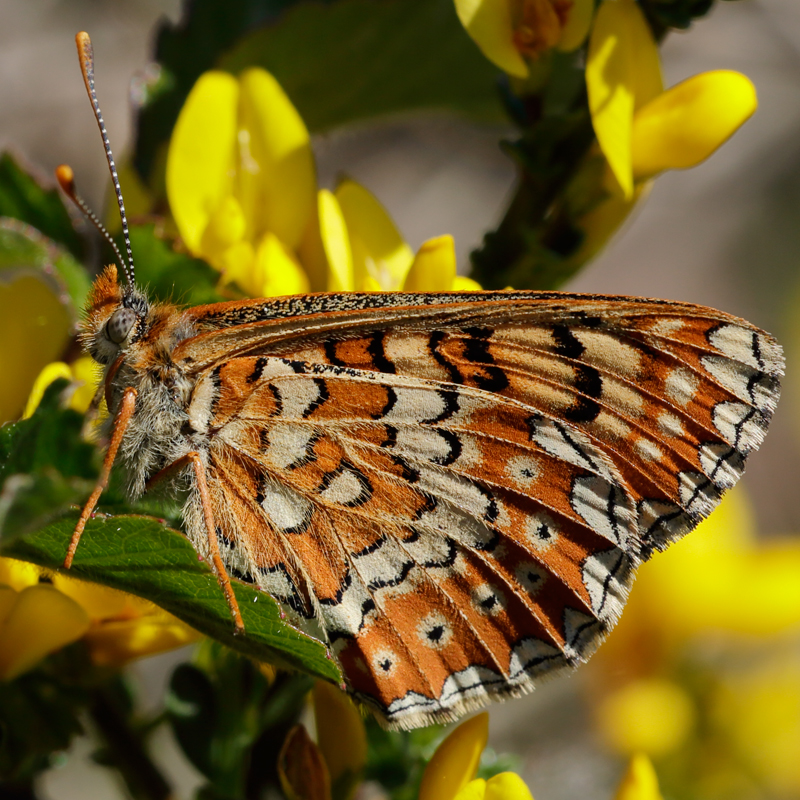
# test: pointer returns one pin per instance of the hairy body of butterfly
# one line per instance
(452, 490)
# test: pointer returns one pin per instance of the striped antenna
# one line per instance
(66, 180)
(86, 58)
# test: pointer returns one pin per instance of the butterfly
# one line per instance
(452, 490)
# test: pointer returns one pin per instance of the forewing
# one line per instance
(460, 509)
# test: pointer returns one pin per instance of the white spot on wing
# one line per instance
(286, 509)
(680, 385)
(345, 488)
(287, 444)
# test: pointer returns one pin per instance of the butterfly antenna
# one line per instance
(86, 58)
(66, 180)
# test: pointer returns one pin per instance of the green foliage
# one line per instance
(533, 245)
(22, 246)
(23, 198)
(39, 714)
(231, 720)
(675, 13)
(45, 466)
(359, 59)
(396, 760)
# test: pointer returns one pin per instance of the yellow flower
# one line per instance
(641, 129)
(639, 782)
(37, 619)
(512, 32)
(648, 715)
(84, 373)
(362, 250)
(123, 627)
(35, 326)
(341, 738)
(450, 774)
(759, 712)
(241, 181)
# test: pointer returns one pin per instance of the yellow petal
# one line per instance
(52, 372)
(474, 790)
(8, 599)
(311, 253)
(686, 124)
(237, 264)
(42, 621)
(639, 782)
(379, 251)
(489, 24)
(622, 73)
(340, 736)
(99, 602)
(201, 155)
(434, 266)
(87, 374)
(463, 284)
(276, 181)
(336, 243)
(576, 29)
(116, 642)
(226, 227)
(18, 574)
(507, 786)
(34, 330)
(651, 715)
(276, 271)
(455, 762)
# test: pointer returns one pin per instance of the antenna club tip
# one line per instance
(82, 39)
(66, 178)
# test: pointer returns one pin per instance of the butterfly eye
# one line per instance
(119, 325)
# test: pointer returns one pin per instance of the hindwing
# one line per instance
(455, 493)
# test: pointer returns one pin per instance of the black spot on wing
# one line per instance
(330, 353)
(378, 354)
(322, 396)
(434, 341)
(454, 444)
(258, 368)
(476, 350)
(590, 384)
(566, 343)
(391, 401)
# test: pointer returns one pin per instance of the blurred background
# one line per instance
(725, 234)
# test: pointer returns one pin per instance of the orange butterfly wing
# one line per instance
(456, 494)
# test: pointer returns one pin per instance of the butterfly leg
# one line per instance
(196, 461)
(124, 416)
(213, 545)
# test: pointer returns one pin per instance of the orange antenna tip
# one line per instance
(66, 178)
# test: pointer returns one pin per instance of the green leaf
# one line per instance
(225, 713)
(168, 275)
(23, 198)
(140, 555)
(22, 246)
(45, 465)
(356, 59)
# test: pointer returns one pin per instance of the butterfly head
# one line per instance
(115, 317)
